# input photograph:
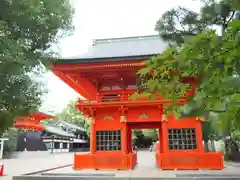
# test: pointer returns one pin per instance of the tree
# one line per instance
(11, 144)
(136, 134)
(213, 60)
(28, 28)
(180, 23)
(150, 133)
(72, 115)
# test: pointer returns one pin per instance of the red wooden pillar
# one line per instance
(200, 146)
(164, 137)
(160, 139)
(129, 140)
(92, 139)
(124, 139)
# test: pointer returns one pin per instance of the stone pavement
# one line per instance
(38, 162)
(145, 168)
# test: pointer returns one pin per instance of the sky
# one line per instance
(96, 19)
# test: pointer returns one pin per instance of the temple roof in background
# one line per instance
(120, 48)
(43, 122)
(57, 130)
(32, 121)
(62, 128)
(70, 125)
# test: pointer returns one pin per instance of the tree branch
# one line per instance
(231, 17)
(179, 21)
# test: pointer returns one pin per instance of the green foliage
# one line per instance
(150, 133)
(210, 127)
(136, 134)
(11, 144)
(28, 28)
(212, 59)
(178, 24)
(228, 123)
(215, 62)
(72, 115)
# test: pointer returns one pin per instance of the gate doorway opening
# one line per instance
(144, 139)
(145, 136)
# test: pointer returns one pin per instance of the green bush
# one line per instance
(11, 144)
(226, 157)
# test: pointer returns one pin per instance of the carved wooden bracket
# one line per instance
(86, 112)
(92, 115)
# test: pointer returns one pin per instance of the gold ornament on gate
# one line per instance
(92, 120)
(201, 118)
(108, 118)
(123, 118)
(164, 117)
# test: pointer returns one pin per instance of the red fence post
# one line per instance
(1, 170)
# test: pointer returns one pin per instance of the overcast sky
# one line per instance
(96, 19)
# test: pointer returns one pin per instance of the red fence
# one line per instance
(117, 160)
(189, 160)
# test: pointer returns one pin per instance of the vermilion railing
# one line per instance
(110, 96)
(105, 160)
(189, 160)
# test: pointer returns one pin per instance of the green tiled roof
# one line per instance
(126, 48)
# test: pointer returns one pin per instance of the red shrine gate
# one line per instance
(106, 77)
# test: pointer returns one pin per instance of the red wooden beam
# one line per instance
(81, 85)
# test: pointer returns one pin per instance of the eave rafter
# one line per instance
(98, 66)
(81, 85)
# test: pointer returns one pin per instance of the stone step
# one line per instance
(112, 177)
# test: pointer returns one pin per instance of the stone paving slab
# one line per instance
(120, 178)
(16, 167)
(150, 173)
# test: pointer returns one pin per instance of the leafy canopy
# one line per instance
(212, 59)
(28, 28)
(180, 23)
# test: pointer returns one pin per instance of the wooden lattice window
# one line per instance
(108, 140)
(56, 145)
(111, 98)
(65, 145)
(182, 139)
